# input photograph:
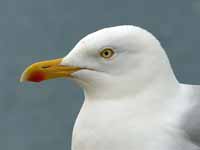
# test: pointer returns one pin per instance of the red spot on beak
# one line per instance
(36, 76)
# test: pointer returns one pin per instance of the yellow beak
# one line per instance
(45, 70)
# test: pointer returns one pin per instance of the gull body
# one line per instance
(133, 100)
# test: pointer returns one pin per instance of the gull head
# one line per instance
(110, 61)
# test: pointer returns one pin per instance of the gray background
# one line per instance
(41, 116)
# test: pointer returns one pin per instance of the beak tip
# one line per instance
(22, 78)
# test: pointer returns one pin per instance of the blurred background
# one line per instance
(41, 116)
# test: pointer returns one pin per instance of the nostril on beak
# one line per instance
(45, 67)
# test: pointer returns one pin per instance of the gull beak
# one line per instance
(46, 70)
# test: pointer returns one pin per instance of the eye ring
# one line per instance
(107, 53)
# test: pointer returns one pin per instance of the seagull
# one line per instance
(133, 100)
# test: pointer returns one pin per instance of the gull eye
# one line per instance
(107, 53)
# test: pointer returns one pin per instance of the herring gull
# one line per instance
(133, 100)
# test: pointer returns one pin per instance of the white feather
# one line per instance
(132, 101)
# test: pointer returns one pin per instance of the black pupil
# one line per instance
(106, 53)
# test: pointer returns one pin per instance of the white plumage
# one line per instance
(133, 101)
